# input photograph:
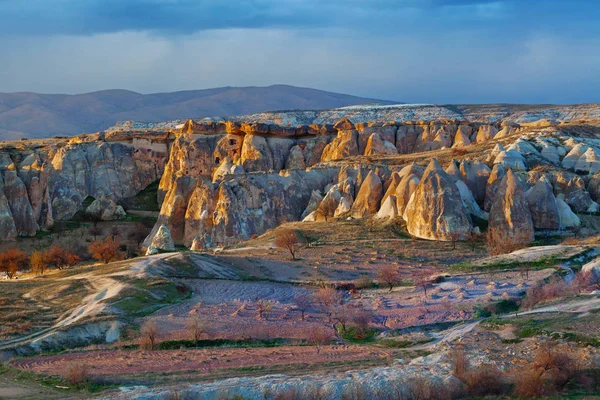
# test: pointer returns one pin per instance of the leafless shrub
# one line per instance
(303, 302)
(361, 321)
(318, 336)
(551, 370)
(149, 333)
(196, 328)
(388, 274)
(76, 373)
(499, 242)
(263, 306)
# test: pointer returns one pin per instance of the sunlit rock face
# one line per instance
(227, 180)
(510, 213)
(435, 210)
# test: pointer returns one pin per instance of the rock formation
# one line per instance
(369, 196)
(436, 211)
(509, 214)
(543, 206)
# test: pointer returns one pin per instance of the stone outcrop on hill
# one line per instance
(509, 214)
(543, 206)
(223, 181)
(435, 210)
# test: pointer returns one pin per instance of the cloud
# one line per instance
(455, 69)
(81, 17)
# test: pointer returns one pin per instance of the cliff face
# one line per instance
(44, 181)
(226, 180)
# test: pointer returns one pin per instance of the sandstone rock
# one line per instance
(344, 206)
(162, 240)
(436, 211)
(588, 162)
(485, 133)
(223, 170)
(462, 137)
(8, 231)
(20, 208)
(593, 187)
(580, 201)
(312, 217)
(568, 219)
(511, 159)
(375, 146)
(475, 175)
(543, 206)
(280, 149)
(468, 201)
(343, 124)
(406, 138)
(574, 155)
(453, 171)
(505, 132)
(550, 153)
(510, 213)
(524, 147)
(295, 159)
(393, 185)
(342, 146)
(198, 221)
(498, 148)
(593, 267)
(407, 186)
(388, 208)
(256, 154)
(369, 196)
(106, 209)
(313, 203)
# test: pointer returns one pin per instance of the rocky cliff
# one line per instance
(223, 180)
(43, 181)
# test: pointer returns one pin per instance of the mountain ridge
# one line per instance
(36, 115)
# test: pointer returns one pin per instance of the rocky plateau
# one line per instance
(441, 170)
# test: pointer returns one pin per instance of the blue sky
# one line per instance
(435, 51)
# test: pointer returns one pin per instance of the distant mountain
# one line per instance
(43, 115)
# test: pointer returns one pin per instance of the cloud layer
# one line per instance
(407, 50)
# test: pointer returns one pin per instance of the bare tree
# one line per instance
(149, 332)
(95, 231)
(423, 280)
(303, 302)
(319, 336)
(474, 238)
(115, 232)
(263, 306)
(498, 242)
(361, 321)
(327, 297)
(288, 239)
(196, 328)
(454, 237)
(342, 313)
(389, 274)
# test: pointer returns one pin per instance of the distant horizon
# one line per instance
(394, 101)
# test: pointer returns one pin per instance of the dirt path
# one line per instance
(575, 307)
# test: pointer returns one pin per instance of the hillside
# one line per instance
(37, 115)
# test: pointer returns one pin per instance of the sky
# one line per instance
(416, 51)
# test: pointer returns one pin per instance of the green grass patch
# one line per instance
(402, 344)
(191, 344)
(351, 335)
(146, 200)
(144, 296)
